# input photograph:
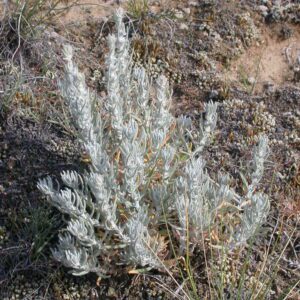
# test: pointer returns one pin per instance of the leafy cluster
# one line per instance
(146, 172)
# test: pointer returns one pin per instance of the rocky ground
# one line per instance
(243, 54)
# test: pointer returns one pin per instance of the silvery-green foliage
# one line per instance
(141, 89)
(196, 199)
(255, 205)
(167, 156)
(83, 111)
(118, 76)
(80, 259)
(143, 169)
(162, 113)
(77, 95)
(253, 217)
(259, 157)
(159, 194)
(207, 128)
(141, 252)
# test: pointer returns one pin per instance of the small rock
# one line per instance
(112, 292)
(193, 3)
(263, 8)
(296, 74)
(187, 10)
(183, 26)
(213, 94)
(251, 80)
(178, 14)
(269, 87)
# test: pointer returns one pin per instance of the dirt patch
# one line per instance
(82, 10)
(267, 63)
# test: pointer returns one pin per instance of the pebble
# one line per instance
(263, 8)
(103, 94)
(251, 80)
(187, 10)
(111, 292)
(183, 26)
(179, 14)
(193, 3)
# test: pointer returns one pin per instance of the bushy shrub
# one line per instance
(146, 172)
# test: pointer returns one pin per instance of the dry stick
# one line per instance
(287, 54)
(298, 57)
(292, 246)
(5, 4)
(19, 35)
(282, 252)
(267, 254)
(269, 246)
(172, 246)
(187, 253)
(206, 262)
(256, 74)
(80, 4)
(286, 297)
(167, 270)
(161, 284)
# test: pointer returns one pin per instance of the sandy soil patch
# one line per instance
(81, 10)
(271, 62)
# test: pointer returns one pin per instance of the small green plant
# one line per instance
(138, 8)
(41, 226)
(22, 43)
(146, 175)
(33, 13)
(244, 77)
(21, 22)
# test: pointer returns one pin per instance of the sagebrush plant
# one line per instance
(146, 170)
